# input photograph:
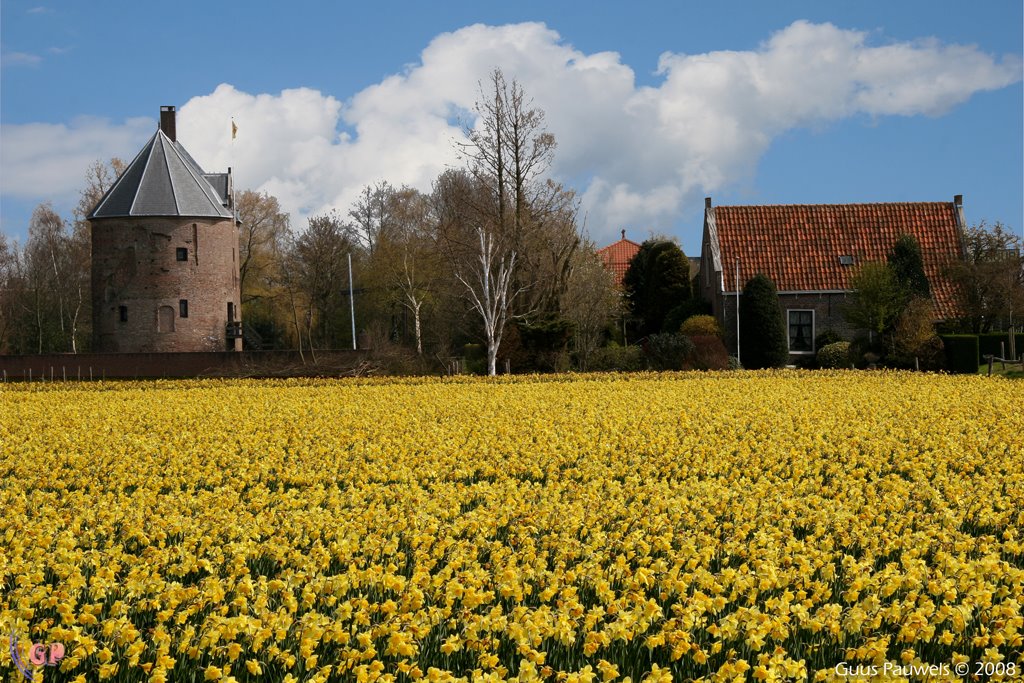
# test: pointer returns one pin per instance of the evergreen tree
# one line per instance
(908, 268)
(657, 280)
(762, 329)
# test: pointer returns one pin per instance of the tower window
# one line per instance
(182, 253)
(123, 312)
(182, 308)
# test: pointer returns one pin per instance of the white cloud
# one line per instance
(637, 154)
(20, 59)
(49, 161)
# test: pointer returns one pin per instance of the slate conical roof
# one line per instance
(163, 180)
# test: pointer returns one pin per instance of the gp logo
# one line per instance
(38, 655)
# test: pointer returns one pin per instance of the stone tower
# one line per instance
(165, 255)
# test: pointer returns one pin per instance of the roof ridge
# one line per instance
(170, 176)
(782, 206)
(143, 188)
(117, 182)
(197, 175)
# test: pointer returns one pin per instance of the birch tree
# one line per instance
(487, 281)
(406, 255)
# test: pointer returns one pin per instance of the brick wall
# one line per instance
(828, 314)
(71, 366)
(135, 266)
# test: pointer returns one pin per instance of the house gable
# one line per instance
(616, 256)
(819, 248)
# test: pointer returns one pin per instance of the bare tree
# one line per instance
(488, 281)
(320, 255)
(990, 278)
(592, 302)
(406, 254)
(286, 276)
(371, 215)
(9, 290)
(262, 223)
(99, 178)
(508, 151)
(480, 256)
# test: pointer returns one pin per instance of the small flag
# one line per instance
(234, 130)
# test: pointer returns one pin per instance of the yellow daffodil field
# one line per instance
(695, 526)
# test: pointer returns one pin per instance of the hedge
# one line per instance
(988, 344)
(961, 353)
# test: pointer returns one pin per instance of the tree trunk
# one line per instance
(419, 333)
(492, 358)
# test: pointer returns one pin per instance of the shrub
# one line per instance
(700, 325)
(734, 363)
(913, 336)
(827, 337)
(668, 351)
(708, 352)
(835, 355)
(961, 353)
(989, 344)
(476, 358)
(617, 358)
(762, 329)
(683, 312)
(865, 353)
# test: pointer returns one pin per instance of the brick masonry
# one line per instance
(134, 265)
(828, 315)
(70, 366)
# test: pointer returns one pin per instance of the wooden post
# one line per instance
(990, 365)
(1002, 353)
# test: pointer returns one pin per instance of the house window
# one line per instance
(182, 253)
(183, 308)
(123, 312)
(801, 331)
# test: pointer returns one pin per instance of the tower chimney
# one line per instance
(623, 234)
(707, 202)
(958, 199)
(167, 124)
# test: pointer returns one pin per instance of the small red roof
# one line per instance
(800, 246)
(616, 256)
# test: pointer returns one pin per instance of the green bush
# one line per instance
(476, 358)
(989, 344)
(761, 326)
(683, 312)
(835, 355)
(701, 325)
(668, 351)
(617, 358)
(827, 337)
(961, 353)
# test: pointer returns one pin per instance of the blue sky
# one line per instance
(654, 105)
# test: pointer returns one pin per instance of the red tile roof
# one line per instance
(616, 256)
(799, 246)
